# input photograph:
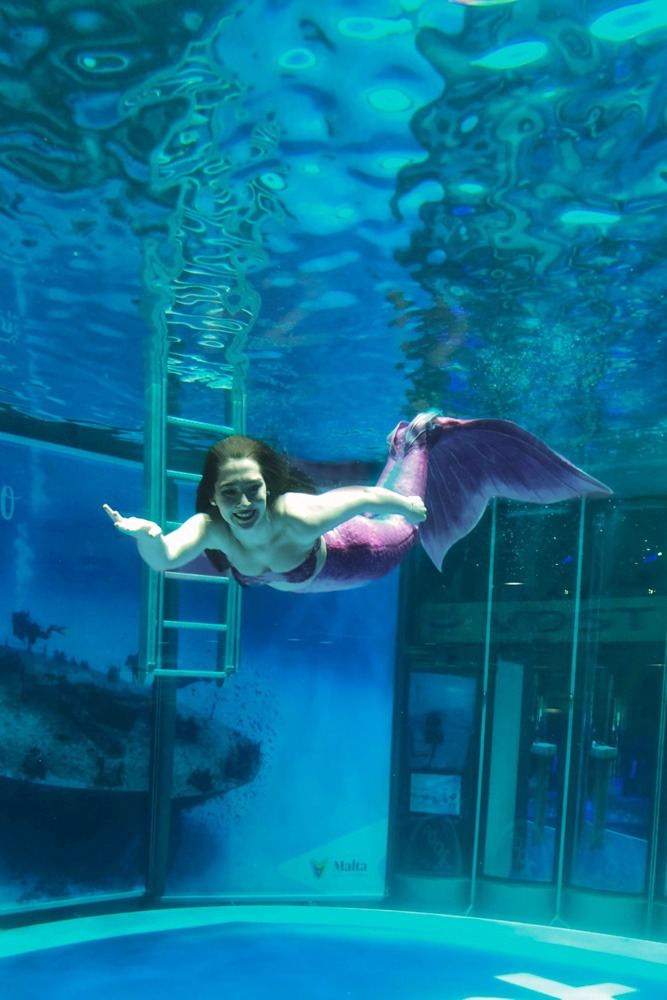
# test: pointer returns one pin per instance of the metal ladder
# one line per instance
(160, 629)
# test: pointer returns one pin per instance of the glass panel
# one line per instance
(533, 619)
(441, 724)
(289, 761)
(618, 654)
(620, 688)
(443, 649)
(75, 726)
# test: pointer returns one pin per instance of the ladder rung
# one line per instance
(211, 626)
(203, 674)
(203, 577)
(200, 425)
(188, 477)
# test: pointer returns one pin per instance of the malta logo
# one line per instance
(347, 867)
(319, 867)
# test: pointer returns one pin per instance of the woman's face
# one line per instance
(240, 493)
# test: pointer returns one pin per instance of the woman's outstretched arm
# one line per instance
(313, 515)
(169, 551)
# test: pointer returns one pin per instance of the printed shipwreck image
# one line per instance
(75, 757)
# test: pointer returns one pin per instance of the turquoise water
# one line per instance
(282, 954)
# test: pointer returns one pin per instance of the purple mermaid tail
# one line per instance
(470, 461)
(456, 466)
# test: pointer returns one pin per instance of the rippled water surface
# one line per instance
(376, 207)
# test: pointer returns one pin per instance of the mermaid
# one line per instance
(260, 519)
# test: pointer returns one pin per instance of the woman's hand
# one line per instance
(415, 511)
(165, 552)
(132, 525)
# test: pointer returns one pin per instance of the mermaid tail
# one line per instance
(462, 464)
(456, 466)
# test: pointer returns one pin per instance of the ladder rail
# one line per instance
(159, 624)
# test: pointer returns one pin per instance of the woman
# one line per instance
(259, 518)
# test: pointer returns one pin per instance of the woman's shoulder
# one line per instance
(215, 532)
(295, 506)
(300, 516)
(202, 530)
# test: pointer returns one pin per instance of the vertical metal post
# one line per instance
(151, 657)
(484, 712)
(658, 799)
(154, 486)
(560, 867)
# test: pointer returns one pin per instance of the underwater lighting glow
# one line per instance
(589, 217)
(389, 99)
(371, 29)
(333, 299)
(470, 187)
(429, 190)
(103, 62)
(512, 56)
(320, 265)
(625, 23)
(392, 164)
(297, 59)
(273, 181)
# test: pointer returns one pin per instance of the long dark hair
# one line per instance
(278, 472)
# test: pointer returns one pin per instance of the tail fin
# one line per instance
(471, 461)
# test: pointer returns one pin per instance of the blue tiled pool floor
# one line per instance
(287, 953)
